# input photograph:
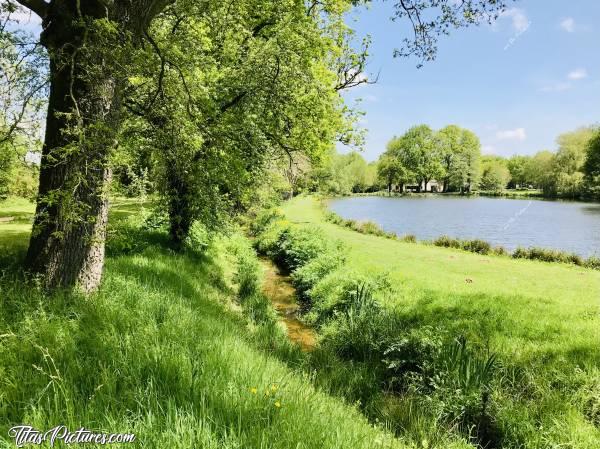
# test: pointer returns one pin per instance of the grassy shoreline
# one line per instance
(541, 320)
(470, 245)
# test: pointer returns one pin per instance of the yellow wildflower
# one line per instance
(277, 404)
(253, 390)
(273, 387)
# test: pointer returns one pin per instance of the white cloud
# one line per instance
(488, 149)
(572, 76)
(577, 74)
(512, 134)
(568, 24)
(519, 19)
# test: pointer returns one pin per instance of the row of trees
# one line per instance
(202, 98)
(451, 157)
(206, 96)
(570, 172)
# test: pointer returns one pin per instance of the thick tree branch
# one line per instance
(40, 7)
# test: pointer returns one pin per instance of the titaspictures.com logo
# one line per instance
(27, 435)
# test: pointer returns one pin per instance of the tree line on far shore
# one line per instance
(450, 160)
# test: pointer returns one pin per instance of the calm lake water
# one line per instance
(569, 226)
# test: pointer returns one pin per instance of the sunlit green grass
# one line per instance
(539, 321)
(158, 352)
(529, 310)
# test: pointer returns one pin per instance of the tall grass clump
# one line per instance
(592, 262)
(362, 226)
(292, 247)
(307, 276)
(548, 255)
(248, 280)
(409, 238)
(474, 246)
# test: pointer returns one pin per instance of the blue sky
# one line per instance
(517, 84)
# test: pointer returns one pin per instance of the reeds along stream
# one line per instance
(278, 288)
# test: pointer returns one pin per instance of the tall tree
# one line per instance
(86, 44)
(418, 152)
(23, 90)
(261, 89)
(460, 151)
(495, 175)
(517, 165)
(540, 171)
(391, 171)
(591, 166)
(569, 161)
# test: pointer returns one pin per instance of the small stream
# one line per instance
(278, 288)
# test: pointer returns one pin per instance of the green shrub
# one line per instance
(364, 227)
(409, 354)
(499, 251)
(520, 253)
(477, 246)
(198, 239)
(369, 227)
(357, 335)
(593, 263)
(340, 291)
(296, 246)
(156, 218)
(447, 242)
(305, 277)
(549, 255)
(474, 246)
(263, 220)
(334, 218)
(267, 242)
(247, 277)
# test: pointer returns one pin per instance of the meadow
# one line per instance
(418, 346)
(536, 323)
(167, 350)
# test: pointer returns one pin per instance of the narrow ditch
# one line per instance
(278, 288)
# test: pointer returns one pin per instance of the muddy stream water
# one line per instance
(278, 288)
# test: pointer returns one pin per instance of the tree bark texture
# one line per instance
(66, 248)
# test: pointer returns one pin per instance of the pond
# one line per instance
(568, 226)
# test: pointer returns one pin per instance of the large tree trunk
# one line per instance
(67, 242)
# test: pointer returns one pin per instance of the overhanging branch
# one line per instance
(40, 7)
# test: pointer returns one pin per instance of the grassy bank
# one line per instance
(163, 350)
(536, 324)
